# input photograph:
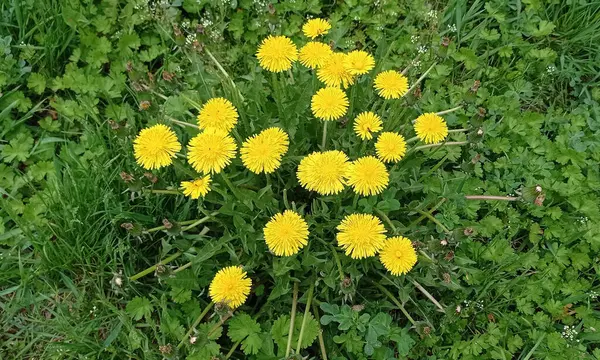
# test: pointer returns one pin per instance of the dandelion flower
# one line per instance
(431, 128)
(368, 176)
(361, 235)
(210, 151)
(196, 188)
(390, 147)
(334, 73)
(391, 84)
(230, 286)
(286, 233)
(329, 103)
(155, 147)
(218, 113)
(367, 123)
(277, 53)
(263, 152)
(316, 27)
(359, 62)
(314, 54)
(323, 172)
(398, 255)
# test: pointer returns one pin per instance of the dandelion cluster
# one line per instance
(325, 172)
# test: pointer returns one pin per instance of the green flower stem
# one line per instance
(387, 220)
(277, 96)
(196, 322)
(449, 110)
(219, 324)
(210, 55)
(352, 96)
(305, 317)
(428, 295)
(355, 201)
(457, 131)
(449, 143)
(491, 197)
(338, 263)
(292, 81)
(153, 267)
(436, 221)
(321, 341)
(395, 301)
(285, 200)
(182, 123)
(158, 228)
(292, 320)
(200, 221)
(230, 186)
(436, 206)
(231, 351)
(420, 79)
(412, 139)
(165, 191)
(324, 139)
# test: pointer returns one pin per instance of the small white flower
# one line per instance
(551, 69)
(452, 28)
(422, 49)
(414, 39)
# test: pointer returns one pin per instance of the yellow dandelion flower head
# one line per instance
(155, 147)
(368, 176)
(359, 62)
(330, 103)
(210, 151)
(218, 113)
(361, 235)
(367, 123)
(334, 73)
(391, 84)
(263, 152)
(286, 233)
(230, 286)
(196, 188)
(316, 27)
(314, 54)
(324, 172)
(431, 128)
(390, 147)
(398, 255)
(277, 53)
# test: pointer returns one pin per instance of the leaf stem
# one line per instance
(321, 341)
(444, 112)
(153, 267)
(292, 320)
(491, 197)
(165, 191)
(436, 221)
(224, 72)
(196, 322)
(420, 79)
(158, 228)
(324, 139)
(232, 349)
(230, 185)
(395, 301)
(182, 123)
(305, 316)
(428, 295)
(449, 143)
(387, 220)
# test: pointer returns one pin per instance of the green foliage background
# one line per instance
(514, 279)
